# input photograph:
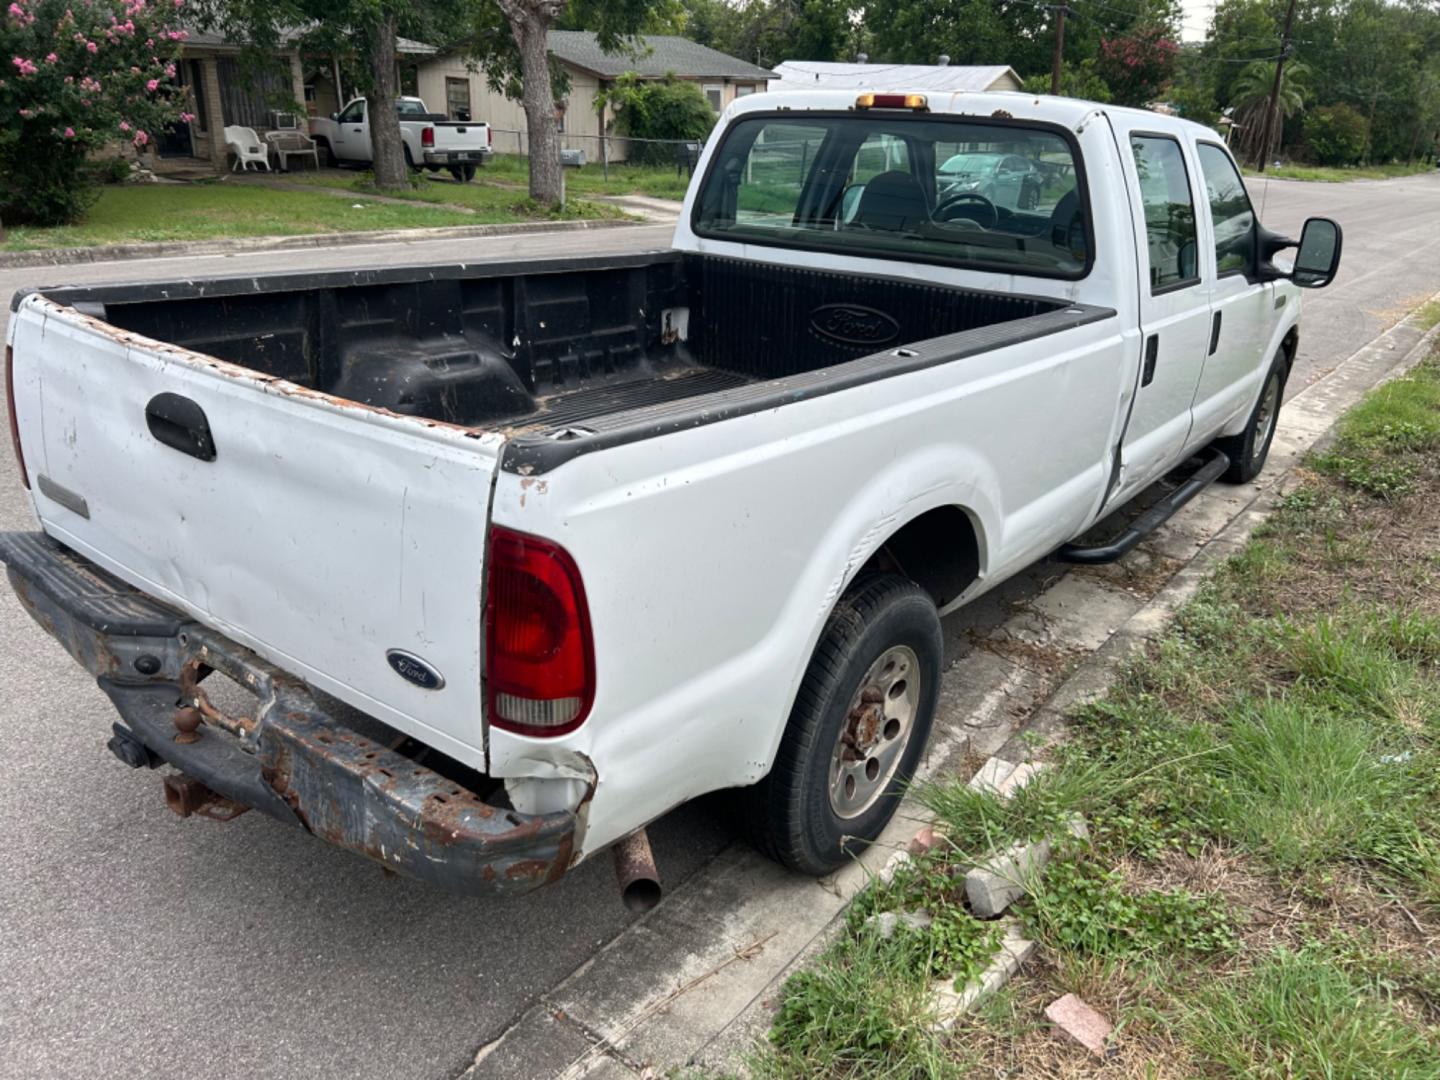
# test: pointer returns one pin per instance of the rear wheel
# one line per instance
(1248, 450)
(857, 729)
(325, 154)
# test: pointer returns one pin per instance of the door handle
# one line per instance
(1152, 353)
(180, 424)
(1214, 333)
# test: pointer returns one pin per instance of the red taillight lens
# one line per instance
(539, 654)
(489, 136)
(14, 420)
(427, 136)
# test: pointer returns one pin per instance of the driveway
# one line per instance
(133, 942)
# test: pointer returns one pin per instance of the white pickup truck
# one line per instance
(584, 539)
(431, 141)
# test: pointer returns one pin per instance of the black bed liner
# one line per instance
(566, 356)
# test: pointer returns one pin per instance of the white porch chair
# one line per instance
(248, 148)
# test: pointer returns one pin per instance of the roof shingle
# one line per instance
(655, 56)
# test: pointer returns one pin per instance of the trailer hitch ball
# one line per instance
(187, 724)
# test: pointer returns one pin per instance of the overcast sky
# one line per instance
(1196, 19)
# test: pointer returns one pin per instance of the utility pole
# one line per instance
(1267, 132)
(1060, 11)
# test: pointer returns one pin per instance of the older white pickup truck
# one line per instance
(583, 540)
(431, 141)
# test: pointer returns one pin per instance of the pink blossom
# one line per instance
(26, 67)
(52, 59)
(124, 125)
(90, 46)
(69, 133)
(140, 138)
(26, 113)
(187, 117)
(169, 71)
(153, 85)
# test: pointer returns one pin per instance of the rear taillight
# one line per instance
(539, 654)
(427, 136)
(14, 420)
(489, 137)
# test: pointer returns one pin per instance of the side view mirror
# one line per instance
(334, 116)
(1319, 256)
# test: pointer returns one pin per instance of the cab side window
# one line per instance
(1169, 211)
(354, 113)
(1230, 209)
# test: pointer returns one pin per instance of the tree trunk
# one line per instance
(530, 22)
(387, 147)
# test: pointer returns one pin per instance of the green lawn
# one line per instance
(147, 212)
(1329, 175)
(655, 181)
(1259, 891)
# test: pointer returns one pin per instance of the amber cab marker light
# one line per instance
(914, 102)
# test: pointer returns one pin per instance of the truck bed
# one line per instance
(538, 347)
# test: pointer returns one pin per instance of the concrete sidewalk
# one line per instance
(695, 982)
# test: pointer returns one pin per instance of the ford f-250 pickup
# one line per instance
(581, 540)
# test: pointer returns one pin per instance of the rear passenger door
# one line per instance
(1174, 301)
(1242, 306)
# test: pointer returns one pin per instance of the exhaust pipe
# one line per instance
(635, 872)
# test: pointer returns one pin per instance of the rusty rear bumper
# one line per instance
(290, 760)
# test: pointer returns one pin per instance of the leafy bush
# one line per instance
(77, 75)
(1137, 66)
(668, 108)
(1335, 135)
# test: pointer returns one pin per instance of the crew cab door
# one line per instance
(1242, 306)
(352, 134)
(1174, 301)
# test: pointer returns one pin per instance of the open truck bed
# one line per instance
(538, 347)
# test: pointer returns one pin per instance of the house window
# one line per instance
(715, 95)
(196, 78)
(457, 99)
(247, 96)
(744, 89)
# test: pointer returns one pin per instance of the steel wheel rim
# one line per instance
(1265, 417)
(875, 732)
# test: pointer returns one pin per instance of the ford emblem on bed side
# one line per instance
(412, 669)
(854, 324)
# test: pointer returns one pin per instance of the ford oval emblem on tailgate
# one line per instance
(412, 669)
(853, 324)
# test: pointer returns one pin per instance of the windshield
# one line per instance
(928, 189)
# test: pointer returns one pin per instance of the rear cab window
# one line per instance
(949, 190)
(1170, 229)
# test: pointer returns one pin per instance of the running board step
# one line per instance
(1151, 519)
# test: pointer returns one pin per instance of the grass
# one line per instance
(655, 181)
(1342, 174)
(1259, 891)
(126, 214)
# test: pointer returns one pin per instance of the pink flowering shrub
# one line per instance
(1137, 66)
(76, 75)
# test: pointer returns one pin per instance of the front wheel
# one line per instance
(1249, 449)
(856, 732)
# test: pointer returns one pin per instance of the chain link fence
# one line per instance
(608, 151)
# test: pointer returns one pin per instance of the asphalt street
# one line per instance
(132, 942)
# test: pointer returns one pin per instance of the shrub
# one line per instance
(665, 109)
(1335, 135)
(77, 75)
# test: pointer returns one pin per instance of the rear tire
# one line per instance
(325, 154)
(1248, 450)
(856, 732)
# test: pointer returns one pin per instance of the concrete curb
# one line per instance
(667, 992)
(116, 252)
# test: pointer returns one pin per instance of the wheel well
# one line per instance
(939, 551)
(1290, 346)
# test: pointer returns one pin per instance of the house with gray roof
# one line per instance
(449, 84)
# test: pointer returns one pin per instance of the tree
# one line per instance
(1137, 65)
(510, 40)
(1251, 98)
(79, 75)
(363, 34)
(1335, 135)
(658, 109)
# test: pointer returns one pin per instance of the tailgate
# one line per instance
(341, 543)
(461, 136)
